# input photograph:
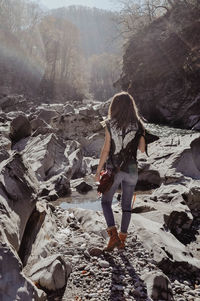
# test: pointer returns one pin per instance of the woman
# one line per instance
(124, 134)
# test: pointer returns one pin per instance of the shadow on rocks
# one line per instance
(55, 295)
(125, 282)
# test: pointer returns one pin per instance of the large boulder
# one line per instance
(173, 158)
(169, 253)
(37, 123)
(93, 144)
(51, 273)
(5, 128)
(195, 149)
(168, 207)
(20, 127)
(45, 155)
(41, 228)
(4, 155)
(165, 193)
(44, 131)
(5, 143)
(18, 190)
(89, 165)
(187, 164)
(74, 153)
(147, 177)
(89, 220)
(79, 125)
(75, 160)
(13, 284)
(5, 148)
(68, 109)
(10, 103)
(71, 147)
(192, 197)
(56, 187)
(158, 286)
(46, 114)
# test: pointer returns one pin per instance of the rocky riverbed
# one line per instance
(48, 153)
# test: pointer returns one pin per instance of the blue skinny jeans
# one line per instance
(128, 182)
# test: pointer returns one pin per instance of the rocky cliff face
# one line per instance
(161, 68)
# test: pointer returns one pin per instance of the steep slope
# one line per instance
(161, 68)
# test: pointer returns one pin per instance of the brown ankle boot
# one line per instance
(114, 240)
(122, 237)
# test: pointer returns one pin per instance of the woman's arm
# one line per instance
(141, 145)
(104, 154)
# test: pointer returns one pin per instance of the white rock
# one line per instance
(51, 273)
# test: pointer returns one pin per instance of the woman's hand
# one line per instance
(97, 176)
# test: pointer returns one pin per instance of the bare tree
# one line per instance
(134, 14)
(105, 69)
(63, 60)
(18, 19)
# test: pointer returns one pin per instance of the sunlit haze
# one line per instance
(103, 4)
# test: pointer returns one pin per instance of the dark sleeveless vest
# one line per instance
(124, 145)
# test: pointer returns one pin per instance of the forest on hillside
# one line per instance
(60, 54)
(69, 53)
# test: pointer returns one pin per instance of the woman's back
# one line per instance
(120, 138)
(124, 144)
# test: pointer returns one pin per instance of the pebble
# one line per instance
(106, 274)
(82, 267)
(104, 264)
(118, 287)
(141, 263)
(87, 236)
(192, 293)
(87, 255)
(76, 259)
(69, 252)
(92, 295)
(178, 290)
